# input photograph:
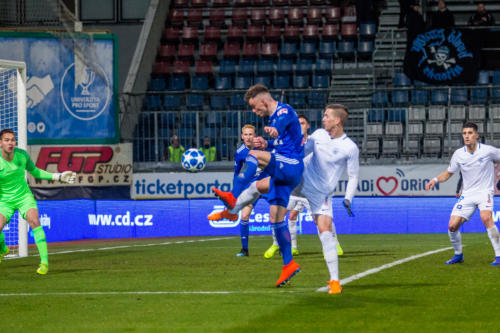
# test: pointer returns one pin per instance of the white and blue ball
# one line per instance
(193, 160)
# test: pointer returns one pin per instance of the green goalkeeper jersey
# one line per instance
(13, 185)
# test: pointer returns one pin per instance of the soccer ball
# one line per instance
(193, 160)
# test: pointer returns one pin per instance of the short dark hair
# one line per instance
(5, 131)
(469, 124)
(303, 116)
(255, 90)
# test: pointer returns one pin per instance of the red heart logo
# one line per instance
(387, 180)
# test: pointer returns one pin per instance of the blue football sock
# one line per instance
(244, 230)
(283, 237)
(241, 182)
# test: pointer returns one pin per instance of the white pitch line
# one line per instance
(200, 292)
(123, 247)
(380, 268)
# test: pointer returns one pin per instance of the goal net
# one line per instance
(13, 116)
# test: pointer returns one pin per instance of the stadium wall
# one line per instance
(105, 219)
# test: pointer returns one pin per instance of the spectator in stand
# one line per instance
(208, 150)
(442, 18)
(481, 17)
(175, 150)
(404, 8)
(415, 24)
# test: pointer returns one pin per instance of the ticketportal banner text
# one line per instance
(66, 220)
(70, 98)
(373, 181)
(95, 165)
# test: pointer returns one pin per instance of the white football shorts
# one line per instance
(320, 204)
(298, 204)
(467, 204)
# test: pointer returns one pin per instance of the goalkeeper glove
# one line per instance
(347, 205)
(67, 177)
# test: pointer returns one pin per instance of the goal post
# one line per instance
(13, 116)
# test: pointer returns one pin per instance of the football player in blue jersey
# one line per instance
(284, 165)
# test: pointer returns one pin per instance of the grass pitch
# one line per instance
(197, 284)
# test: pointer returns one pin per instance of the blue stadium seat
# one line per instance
(211, 132)
(281, 81)
(304, 65)
(459, 96)
(157, 84)
(227, 67)
(245, 66)
(439, 96)
(380, 99)
(172, 102)
(327, 49)
(194, 101)
(479, 95)
(279, 96)
(284, 65)
(483, 78)
(153, 102)
(218, 102)
(317, 98)
(232, 119)
(167, 120)
(188, 119)
(301, 81)
(365, 48)
(320, 80)
(396, 115)
(236, 101)
(223, 82)
(177, 82)
(495, 95)
(345, 48)
(145, 126)
(288, 49)
(399, 97)
(199, 82)
(242, 82)
(297, 99)
(229, 131)
(376, 116)
(213, 118)
(324, 65)
(419, 97)
(265, 66)
(401, 80)
(262, 79)
(495, 78)
(367, 30)
(308, 49)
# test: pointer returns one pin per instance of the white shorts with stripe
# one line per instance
(468, 203)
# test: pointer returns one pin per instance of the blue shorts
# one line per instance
(286, 174)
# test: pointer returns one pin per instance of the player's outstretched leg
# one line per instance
(226, 197)
(290, 267)
(332, 262)
(222, 215)
(41, 244)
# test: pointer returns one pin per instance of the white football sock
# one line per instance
(334, 234)
(330, 254)
(292, 227)
(494, 236)
(248, 196)
(275, 241)
(456, 241)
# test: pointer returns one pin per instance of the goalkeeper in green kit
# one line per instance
(16, 195)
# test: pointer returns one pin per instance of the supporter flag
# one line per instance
(443, 56)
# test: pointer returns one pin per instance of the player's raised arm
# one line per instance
(353, 174)
(439, 179)
(68, 177)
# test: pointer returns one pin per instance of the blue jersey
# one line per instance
(289, 140)
(239, 158)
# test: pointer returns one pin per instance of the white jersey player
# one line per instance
(331, 151)
(475, 162)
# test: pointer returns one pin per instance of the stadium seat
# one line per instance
(479, 95)
(167, 51)
(314, 15)
(281, 81)
(327, 49)
(204, 67)
(345, 48)
(330, 31)
(185, 51)
(380, 99)
(265, 66)
(483, 78)
(269, 50)
(227, 67)
(246, 66)
(180, 67)
(308, 49)
(254, 32)
(304, 65)
(288, 49)
(301, 81)
(417, 113)
(277, 16)
(376, 116)
(167, 120)
(239, 16)
(232, 120)
(437, 113)
(171, 35)
(251, 50)
(242, 82)
(188, 119)
(220, 3)
(415, 129)
(161, 68)
(439, 96)
(434, 128)
(213, 118)
(272, 33)
(208, 50)
(260, 2)
(495, 92)
(477, 112)
(212, 33)
(459, 96)
(199, 3)
(399, 97)
(235, 33)
(367, 30)
(401, 80)
(396, 115)
(189, 34)
(218, 102)
(236, 101)
(171, 101)
(176, 17)
(332, 14)
(310, 32)
(223, 82)
(258, 15)
(153, 102)
(419, 97)
(242, 3)
(262, 79)
(349, 14)
(432, 146)
(320, 80)
(232, 50)
(194, 17)
(291, 32)
(284, 65)
(157, 84)
(324, 66)
(217, 17)
(176, 83)
(457, 112)
(348, 30)
(295, 16)
(194, 101)
(365, 48)
(297, 99)
(211, 132)
(316, 98)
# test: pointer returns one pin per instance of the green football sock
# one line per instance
(41, 244)
(3, 247)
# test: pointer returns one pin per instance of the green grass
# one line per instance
(418, 296)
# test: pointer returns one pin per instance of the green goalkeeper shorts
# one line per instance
(7, 209)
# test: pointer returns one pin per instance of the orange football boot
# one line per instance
(287, 273)
(335, 287)
(225, 214)
(227, 197)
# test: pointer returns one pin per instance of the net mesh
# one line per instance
(9, 119)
